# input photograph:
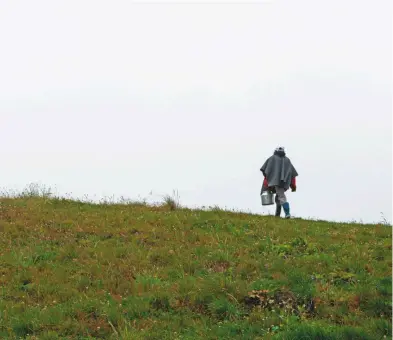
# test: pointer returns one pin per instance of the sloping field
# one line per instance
(74, 270)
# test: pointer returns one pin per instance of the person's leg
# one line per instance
(278, 206)
(286, 210)
(283, 201)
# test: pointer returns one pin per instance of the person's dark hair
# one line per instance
(280, 151)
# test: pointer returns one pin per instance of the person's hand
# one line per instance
(293, 189)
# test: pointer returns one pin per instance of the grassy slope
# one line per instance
(74, 270)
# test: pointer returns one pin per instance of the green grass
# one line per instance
(77, 270)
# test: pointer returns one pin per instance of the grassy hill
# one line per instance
(74, 270)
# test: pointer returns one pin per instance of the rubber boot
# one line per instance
(286, 210)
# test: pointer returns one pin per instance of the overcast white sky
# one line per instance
(120, 98)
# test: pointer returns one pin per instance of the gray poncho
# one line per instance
(279, 171)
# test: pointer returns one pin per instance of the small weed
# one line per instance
(37, 190)
(384, 221)
(384, 286)
(224, 309)
(302, 285)
(172, 202)
(323, 332)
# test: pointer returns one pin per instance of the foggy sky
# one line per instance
(104, 98)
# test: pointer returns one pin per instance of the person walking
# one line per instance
(279, 175)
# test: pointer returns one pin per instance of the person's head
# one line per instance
(280, 151)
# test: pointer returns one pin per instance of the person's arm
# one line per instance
(293, 184)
